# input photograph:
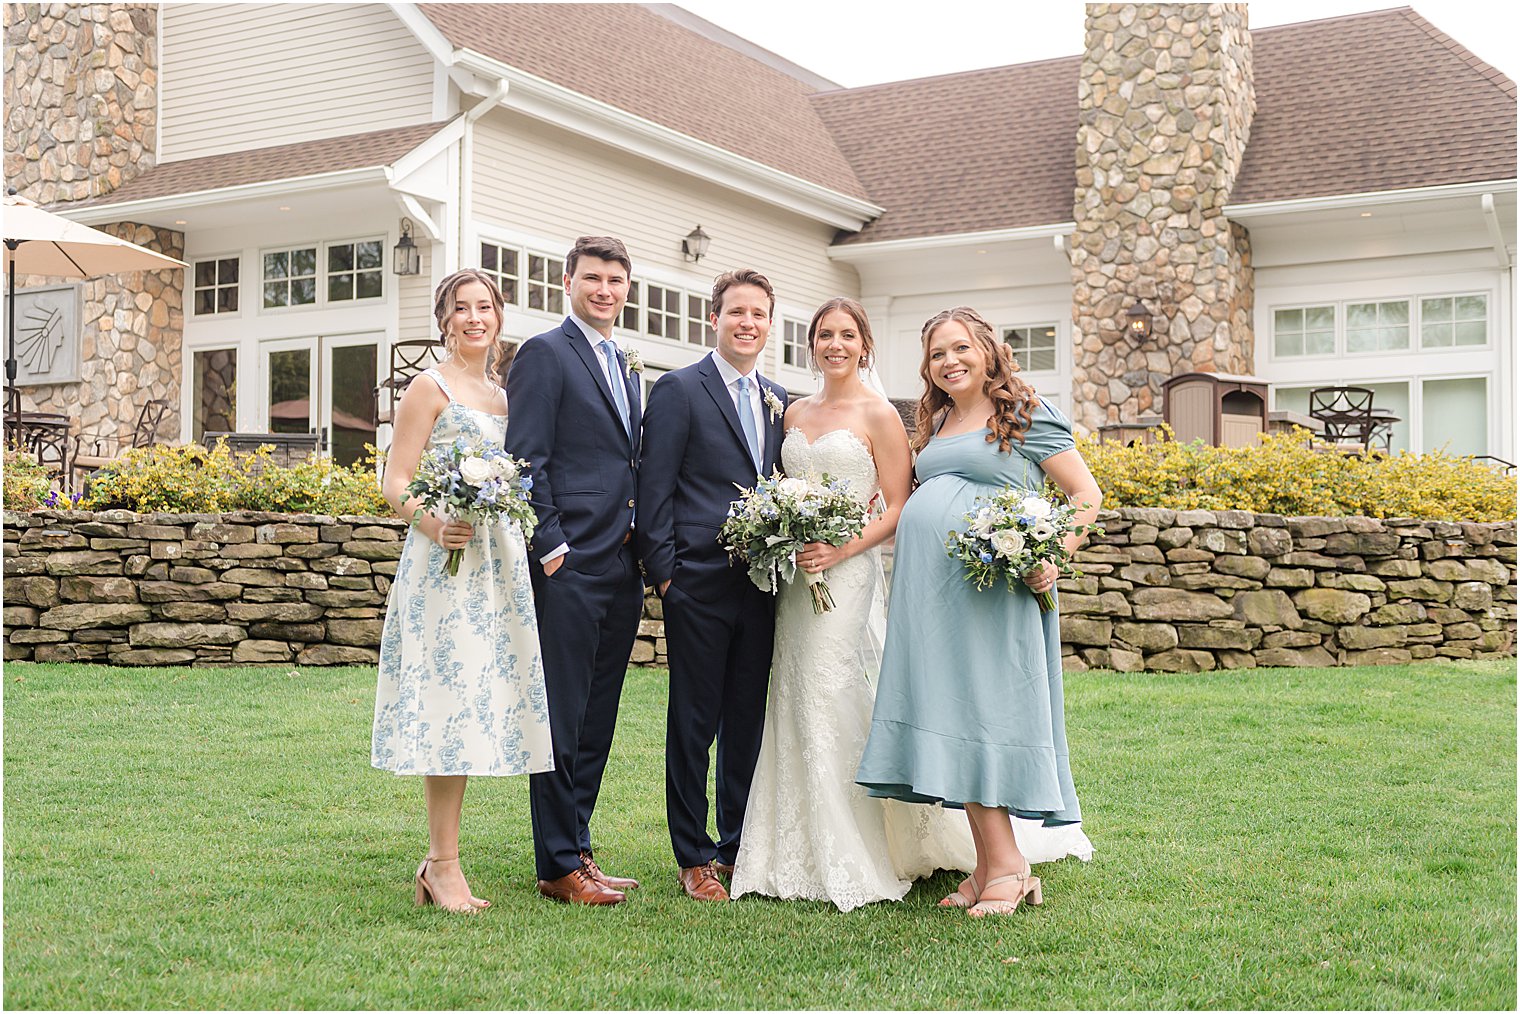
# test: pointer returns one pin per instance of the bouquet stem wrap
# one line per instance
(823, 599)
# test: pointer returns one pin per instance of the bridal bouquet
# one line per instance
(767, 525)
(476, 483)
(1011, 533)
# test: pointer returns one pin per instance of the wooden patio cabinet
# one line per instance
(1222, 409)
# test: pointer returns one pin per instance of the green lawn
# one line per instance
(1338, 838)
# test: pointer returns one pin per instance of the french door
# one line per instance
(323, 385)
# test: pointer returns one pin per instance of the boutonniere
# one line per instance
(632, 362)
(774, 404)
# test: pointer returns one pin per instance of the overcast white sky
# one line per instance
(859, 43)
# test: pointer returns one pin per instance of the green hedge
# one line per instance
(1288, 475)
(191, 480)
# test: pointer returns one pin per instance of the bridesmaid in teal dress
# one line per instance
(969, 702)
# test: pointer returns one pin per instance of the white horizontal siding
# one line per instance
(244, 76)
(535, 179)
(416, 297)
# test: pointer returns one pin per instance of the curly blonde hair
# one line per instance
(1013, 401)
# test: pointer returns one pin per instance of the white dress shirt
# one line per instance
(756, 406)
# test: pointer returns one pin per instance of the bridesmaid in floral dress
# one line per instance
(461, 684)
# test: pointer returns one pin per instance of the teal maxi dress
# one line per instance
(969, 702)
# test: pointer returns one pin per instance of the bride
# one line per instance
(809, 831)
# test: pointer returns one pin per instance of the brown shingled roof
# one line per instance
(1368, 102)
(263, 165)
(986, 149)
(630, 57)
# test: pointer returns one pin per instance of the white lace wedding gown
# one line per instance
(809, 831)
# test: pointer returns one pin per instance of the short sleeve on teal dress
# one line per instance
(1049, 433)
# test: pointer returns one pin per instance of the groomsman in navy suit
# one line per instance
(575, 417)
(711, 427)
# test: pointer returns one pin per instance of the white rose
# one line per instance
(1035, 507)
(1008, 543)
(475, 470)
(506, 469)
(792, 489)
(1041, 530)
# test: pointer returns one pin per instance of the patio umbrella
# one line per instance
(38, 242)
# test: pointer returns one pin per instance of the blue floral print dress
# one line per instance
(461, 685)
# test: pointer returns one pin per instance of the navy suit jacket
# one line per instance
(584, 463)
(694, 456)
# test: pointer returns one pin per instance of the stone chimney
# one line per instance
(81, 119)
(81, 97)
(1165, 101)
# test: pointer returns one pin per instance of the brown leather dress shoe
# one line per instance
(580, 888)
(725, 870)
(701, 883)
(606, 880)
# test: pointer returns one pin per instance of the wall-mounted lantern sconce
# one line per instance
(406, 258)
(1137, 322)
(694, 246)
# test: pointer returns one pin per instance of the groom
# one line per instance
(711, 427)
(575, 418)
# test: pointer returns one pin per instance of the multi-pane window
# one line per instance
(794, 343)
(546, 283)
(1377, 327)
(355, 270)
(1304, 331)
(500, 262)
(216, 286)
(290, 277)
(1034, 347)
(631, 308)
(697, 330)
(662, 312)
(1451, 321)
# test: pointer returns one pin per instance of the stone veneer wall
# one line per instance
(1162, 590)
(1165, 106)
(81, 118)
(173, 589)
(130, 350)
(81, 97)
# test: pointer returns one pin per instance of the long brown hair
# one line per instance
(1013, 400)
(862, 325)
(443, 309)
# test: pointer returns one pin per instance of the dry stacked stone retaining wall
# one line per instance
(1161, 590)
(1185, 591)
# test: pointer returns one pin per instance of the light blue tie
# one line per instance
(747, 422)
(615, 379)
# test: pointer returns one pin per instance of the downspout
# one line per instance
(1506, 321)
(467, 164)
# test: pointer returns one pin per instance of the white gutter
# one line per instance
(851, 252)
(570, 110)
(126, 210)
(467, 162)
(1495, 235)
(1374, 197)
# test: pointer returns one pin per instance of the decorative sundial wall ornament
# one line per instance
(47, 335)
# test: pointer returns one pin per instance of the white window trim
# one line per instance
(1416, 345)
(289, 248)
(187, 385)
(525, 281)
(323, 274)
(1053, 325)
(236, 255)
